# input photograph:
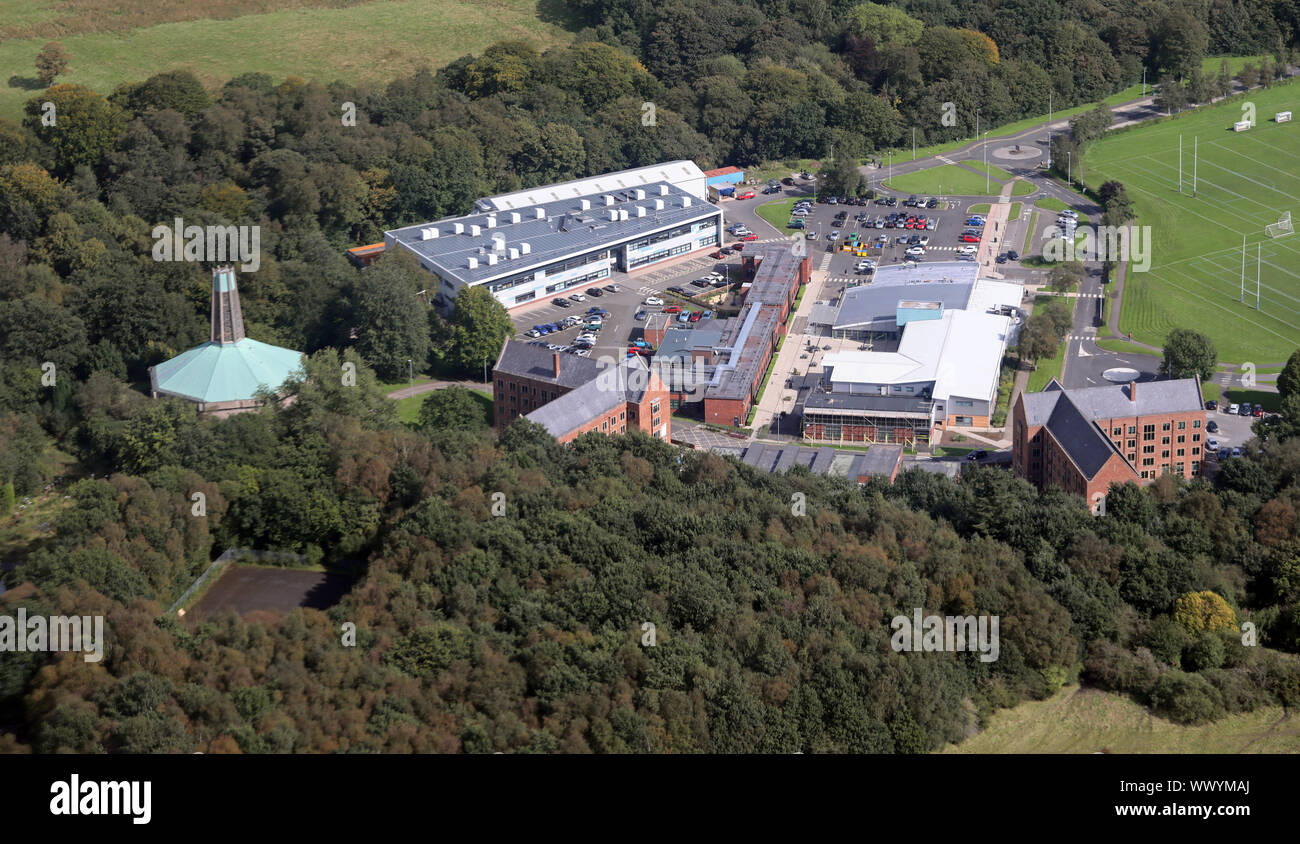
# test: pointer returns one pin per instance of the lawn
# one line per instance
(1023, 188)
(1078, 720)
(777, 212)
(998, 174)
(1048, 368)
(372, 42)
(944, 180)
(408, 409)
(1245, 181)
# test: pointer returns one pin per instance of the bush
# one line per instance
(1187, 698)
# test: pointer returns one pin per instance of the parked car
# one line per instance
(677, 290)
(1257, 410)
(1225, 453)
(1236, 451)
(673, 309)
(1212, 426)
(1245, 409)
(787, 181)
(595, 291)
(700, 282)
(717, 255)
(706, 314)
(562, 302)
(739, 246)
(748, 237)
(611, 288)
(1013, 254)
(653, 300)
(684, 316)
(747, 194)
(1212, 443)
(1234, 409)
(639, 315)
(1002, 258)
(696, 316)
(977, 455)
(578, 297)
(969, 238)
(1211, 405)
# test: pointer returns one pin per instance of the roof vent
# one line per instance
(609, 199)
(525, 248)
(585, 205)
(659, 205)
(640, 194)
(492, 259)
(640, 210)
(540, 213)
(663, 190)
(475, 231)
(428, 234)
(613, 215)
(514, 253)
(622, 213)
(499, 242)
(473, 263)
(458, 228)
(515, 216)
(491, 221)
(686, 202)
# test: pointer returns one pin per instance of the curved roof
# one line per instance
(220, 372)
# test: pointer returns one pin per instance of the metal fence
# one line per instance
(231, 555)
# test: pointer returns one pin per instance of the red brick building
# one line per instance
(570, 395)
(1086, 439)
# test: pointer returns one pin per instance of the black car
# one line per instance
(1013, 254)
(841, 215)
(1212, 427)
(677, 290)
(821, 200)
(787, 181)
(1002, 259)
(699, 282)
(977, 455)
(893, 202)
(1245, 409)
(1211, 405)
(837, 223)
(882, 200)
(595, 291)
(563, 303)
(933, 203)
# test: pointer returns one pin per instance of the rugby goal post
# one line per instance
(1282, 117)
(1281, 228)
(1241, 125)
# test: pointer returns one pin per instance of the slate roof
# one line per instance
(607, 392)
(526, 361)
(824, 460)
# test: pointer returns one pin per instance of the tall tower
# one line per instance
(227, 318)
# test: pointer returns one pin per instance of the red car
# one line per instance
(695, 316)
(749, 194)
(718, 255)
(739, 247)
(969, 238)
(750, 236)
(673, 309)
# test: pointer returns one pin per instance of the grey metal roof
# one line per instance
(832, 402)
(777, 275)
(565, 229)
(538, 362)
(823, 460)
(737, 382)
(926, 272)
(875, 306)
(824, 313)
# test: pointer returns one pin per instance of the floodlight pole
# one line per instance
(1049, 128)
(1243, 269)
(1195, 145)
(410, 367)
(1180, 164)
(1259, 251)
(913, 143)
(1069, 163)
(1144, 81)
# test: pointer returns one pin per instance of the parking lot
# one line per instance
(620, 326)
(1234, 431)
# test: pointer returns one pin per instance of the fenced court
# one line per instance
(1246, 185)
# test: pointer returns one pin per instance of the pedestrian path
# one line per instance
(1072, 295)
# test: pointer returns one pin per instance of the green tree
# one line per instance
(392, 327)
(452, 408)
(1188, 353)
(479, 325)
(1038, 339)
(1288, 382)
(842, 177)
(883, 24)
(83, 128)
(1064, 275)
(51, 61)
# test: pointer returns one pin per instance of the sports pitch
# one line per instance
(1244, 181)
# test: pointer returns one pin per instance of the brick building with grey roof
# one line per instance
(1084, 440)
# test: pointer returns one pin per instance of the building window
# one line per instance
(1148, 449)
(1148, 461)
(1182, 438)
(1165, 427)
(1182, 425)
(1180, 454)
(1165, 454)
(1117, 432)
(1132, 429)
(1132, 443)
(1196, 438)
(622, 415)
(1196, 423)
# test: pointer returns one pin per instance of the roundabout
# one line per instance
(1121, 375)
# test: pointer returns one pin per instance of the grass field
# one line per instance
(777, 212)
(1245, 181)
(944, 180)
(1077, 720)
(365, 41)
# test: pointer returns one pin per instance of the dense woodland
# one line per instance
(523, 632)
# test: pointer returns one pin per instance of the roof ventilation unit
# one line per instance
(686, 202)
(473, 263)
(609, 199)
(525, 248)
(514, 253)
(613, 215)
(640, 210)
(458, 228)
(663, 190)
(659, 205)
(428, 234)
(475, 231)
(499, 242)
(492, 259)
(491, 221)
(640, 194)
(540, 213)
(622, 213)
(515, 216)
(585, 205)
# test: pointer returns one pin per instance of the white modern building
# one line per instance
(540, 242)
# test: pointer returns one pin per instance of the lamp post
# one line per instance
(1069, 159)
(484, 370)
(410, 368)
(1049, 128)
(986, 162)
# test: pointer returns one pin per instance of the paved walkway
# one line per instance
(430, 386)
(774, 396)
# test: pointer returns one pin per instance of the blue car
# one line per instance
(706, 314)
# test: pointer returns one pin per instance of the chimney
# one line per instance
(556, 364)
(1133, 391)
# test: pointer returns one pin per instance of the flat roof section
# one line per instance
(673, 172)
(512, 242)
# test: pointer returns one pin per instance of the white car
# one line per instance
(835, 235)
(653, 300)
(714, 276)
(968, 249)
(925, 240)
(1070, 212)
(865, 266)
(916, 250)
(578, 297)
